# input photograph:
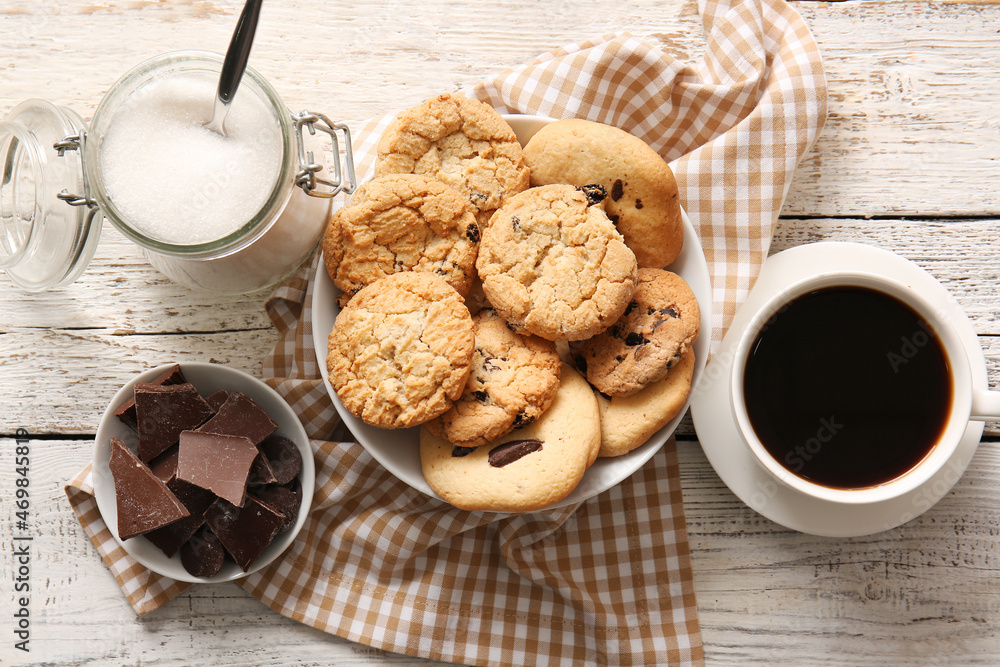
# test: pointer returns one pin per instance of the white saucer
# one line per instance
(732, 459)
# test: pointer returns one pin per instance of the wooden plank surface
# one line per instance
(908, 161)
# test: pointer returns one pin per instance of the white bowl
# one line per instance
(207, 379)
(399, 450)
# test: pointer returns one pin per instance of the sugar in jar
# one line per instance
(230, 214)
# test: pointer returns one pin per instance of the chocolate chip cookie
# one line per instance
(401, 222)
(461, 142)
(629, 421)
(552, 264)
(527, 469)
(400, 351)
(513, 381)
(660, 323)
(640, 193)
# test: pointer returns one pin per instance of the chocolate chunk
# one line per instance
(126, 411)
(165, 411)
(613, 219)
(632, 305)
(283, 456)
(295, 487)
(521, 420)
(239, 415)
(203, 554)
(283, 501)
(638, 203)
(617, 190)
(164, 466)
(616, 330)
(472, 233)
(170, 538)
(508, 452)
(260, 471)
(489, 365)
(244, 531)
(459, 452)
(480, 396)
(635, 338)
(515, 222)
(217, 399)
(216, 462)
(144, 502)
(669, 311)
(594, 193)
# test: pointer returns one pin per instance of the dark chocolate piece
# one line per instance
(508, 452)
(472, 232)
(239, 415)
(458, 451)
(170, 538)
(164, 466)
(217, 399)
(260, 471)
(283, 457)
(283, 501)
(244, 531)
(595, 193)
(144, 502)
(126, 411)
(203, 554)
(216, 462)
(617, 190)
(165, 411)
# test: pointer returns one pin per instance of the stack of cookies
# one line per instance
(512, 302)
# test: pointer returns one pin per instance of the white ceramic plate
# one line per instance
(399, 450)
(731, 457)
(207, 379)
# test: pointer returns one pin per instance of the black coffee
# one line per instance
(847, 387)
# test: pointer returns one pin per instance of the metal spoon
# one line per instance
(235, 64)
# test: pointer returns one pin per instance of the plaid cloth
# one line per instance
(607, 581)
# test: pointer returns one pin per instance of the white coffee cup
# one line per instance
(967, 403)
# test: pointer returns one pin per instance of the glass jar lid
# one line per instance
(49, 228)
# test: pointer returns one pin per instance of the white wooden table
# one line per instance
(910, 161)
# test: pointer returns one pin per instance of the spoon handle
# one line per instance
(239, 51)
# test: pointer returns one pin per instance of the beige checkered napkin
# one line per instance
(607, 581)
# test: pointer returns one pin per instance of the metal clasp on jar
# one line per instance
(76, 143)
(343, 178)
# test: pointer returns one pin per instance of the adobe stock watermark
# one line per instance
(910, 346)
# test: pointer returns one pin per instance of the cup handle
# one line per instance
(985, 405)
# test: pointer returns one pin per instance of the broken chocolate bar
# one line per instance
(126, 411)
(239, 415)
(203, 555)
(283, 501)
(144, 502)
(216, 462)
(244, 531)
(170, 538)
(165, 411)
(217, 399)
(283, 456)
(164, 466)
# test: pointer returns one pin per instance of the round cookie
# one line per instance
(527, 469)
(629, 421)
(401, 222)
(461, 142)
(642, 197)
(661, 322)
(553, 265)
(513, 381)
(400, 351)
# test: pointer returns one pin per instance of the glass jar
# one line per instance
(259, 250)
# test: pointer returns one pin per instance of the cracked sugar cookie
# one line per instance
(461, 142)
(659, 325)
(401, 222)
(552, 264)
(641, 193)
(527, 469)
(513, 381)
(400, 351)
